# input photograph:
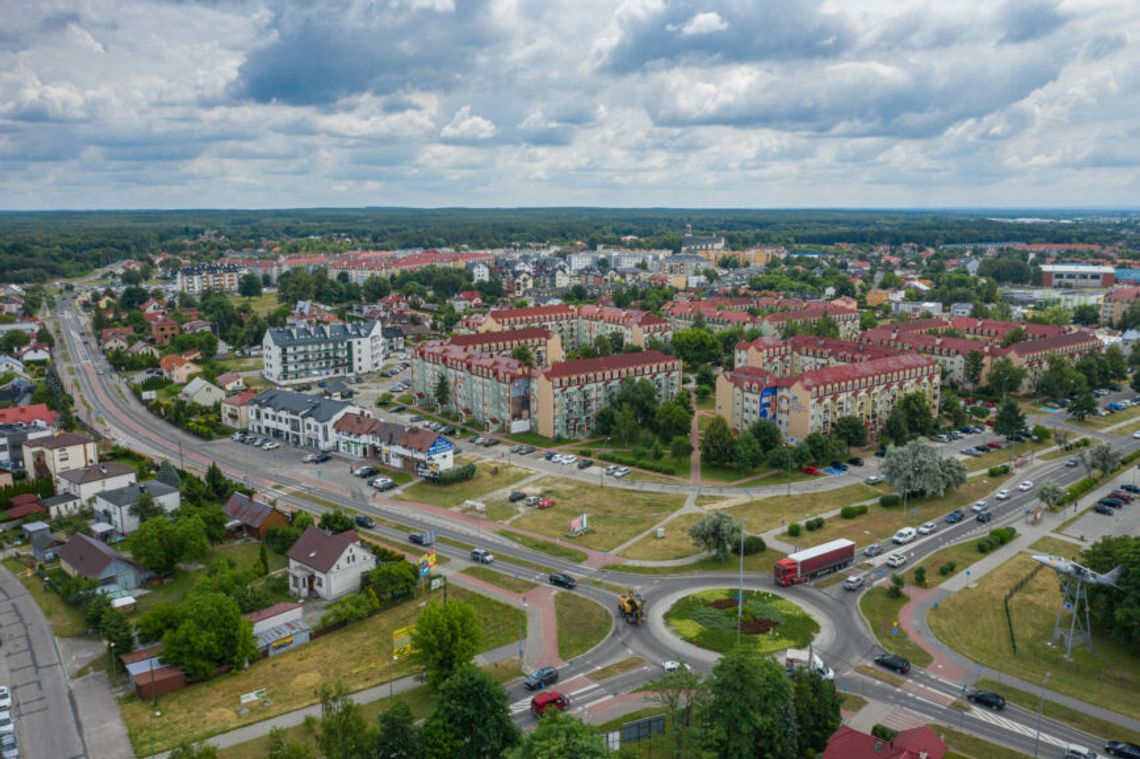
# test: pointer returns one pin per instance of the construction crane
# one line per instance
(632, 607)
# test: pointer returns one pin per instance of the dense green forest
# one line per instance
(40, 246)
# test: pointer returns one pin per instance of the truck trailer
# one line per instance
(802, 566)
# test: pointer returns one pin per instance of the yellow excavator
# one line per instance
(632, 607)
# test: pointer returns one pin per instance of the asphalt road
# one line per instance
(852, 644)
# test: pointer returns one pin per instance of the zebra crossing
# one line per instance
(1008, 724)
(523, 705)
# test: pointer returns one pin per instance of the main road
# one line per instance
(845, 641)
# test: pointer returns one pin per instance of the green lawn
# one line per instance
(675, 545)
(615, 515)
(966, 746)
(532, 438)
(962, 554)
(261, 304)
(882, 612)
(769, 513)
(559, 551)
(245, 555)
(65, 621)
(709, 619)
(758, 562)
(582, 624)
(487, 477)
(1108, 677)
(501, 580)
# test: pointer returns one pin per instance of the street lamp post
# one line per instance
(740, 589)
(1040, 711)
(522, 610)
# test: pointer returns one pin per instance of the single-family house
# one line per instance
(252, 517)
(142, 348)
(61, 505)
(153, 306)
(114, 343)
(231, 382)
(196, 325)
(50, 455)
(327, 565)
(32, 415)
(82, 556)
(201, 392)
(278, 628)
(235, 409)
(11, 364)
(113, 507)
(164, 330)
(33, 352)
(89, 481)
(177, 369)
(916, 743)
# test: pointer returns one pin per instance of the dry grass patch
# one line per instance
(498, 510)
(1056, 547)
(1002, 455)
(769, 513)
(1100, 422)
(675, 545)
(507, 582)
(488, 477)
(617, 668)
(292, 678)
(1108, 677)
(615, 515)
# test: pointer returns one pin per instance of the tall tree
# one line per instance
(280, 747)
(817, 710)
(146, 507)
(472, 719)
(920, 468)
(717, 443)
(851, 430)
(695, 346)
(560, 736)
(397, 735)
(747, 716)
(1117, 610)
(716, 533)
(1104, 458)
(1009, 421)
(217, 486)
(625, 428)
(975, 362)
(168, 475)
(442, 392)
(767, 434)
(445, 639)
(524, 354)
(1083, 406)
(919, 420)
(681, 692)
(747, 455)
(1116, 366)
(896, 430)
(1050, 494)
(1004, 377)
(344, 733)
(1056, 381)
(212, 632)
(249, 285)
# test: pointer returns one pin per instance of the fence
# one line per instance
(1005, 602)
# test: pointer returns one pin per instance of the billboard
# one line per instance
(402, 641)
(520, 399)
(579, 525)
(768, 403)
(427, 563)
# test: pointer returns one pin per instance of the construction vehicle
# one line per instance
(632, 607)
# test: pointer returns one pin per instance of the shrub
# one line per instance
(948, 568)
(998, 471)
(920, 577)
(794, 529)
(1002, 535)
(888, 501)
(586, 451)
(456, 474)
(884, 732)
(753, 544)
(850, 512)
(985, 545)
(815, 523)
(680, 447)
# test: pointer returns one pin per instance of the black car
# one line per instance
(321, 458)
(1122, 748)
(365, 521)
(855, 461)
(549, 455)
(1115, 503)
(398, 409)
(988, 699)
(955, 516)
(1130, 488)
(881, 452)
(985, 516)
(893, 662)
(585, 463)
(1100, 508)
(873, 550)
(563, 581)
(838, 465)
(516, 496)
(541, 678)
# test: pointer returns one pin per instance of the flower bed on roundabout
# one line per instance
(769, 623)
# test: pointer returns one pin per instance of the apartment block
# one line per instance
(198, 279)
(303, 353)
(491, 389)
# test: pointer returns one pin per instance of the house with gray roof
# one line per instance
(297, 419)
(307, 352)
(113, 507)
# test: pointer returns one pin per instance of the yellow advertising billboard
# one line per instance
(402, 641)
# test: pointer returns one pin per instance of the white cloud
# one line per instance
(465, 126)
(705, 22)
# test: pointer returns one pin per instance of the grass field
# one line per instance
(65, 621)
(1100, 422)
(758, 562)
(966, 746)
(582, 624)
(1056, 547)
(244, 555)
(1002, 455)
(619, 667)
(487, 477)
(772, 512)
(293, 677)
(1060, 713)
(553, 549)
(675, 545)
(499, 579)
(962, 554)
(697, 620)
(1108, 677)
(261, 304)
(498, 510)
(420, 700)
(615, 516)
(882, 612)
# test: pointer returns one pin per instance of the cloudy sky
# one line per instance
(730, 103)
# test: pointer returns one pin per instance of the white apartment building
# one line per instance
(302, 353)
(199, 279)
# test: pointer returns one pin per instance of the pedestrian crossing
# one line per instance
(1008, 724)
(523, 705)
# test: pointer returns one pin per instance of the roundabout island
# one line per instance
(767, 622)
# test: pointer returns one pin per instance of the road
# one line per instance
(116, 411)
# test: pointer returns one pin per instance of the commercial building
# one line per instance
(569, 396)
(298, 354)
(198, 279)
(1116, 303)
(414, 450)
(1077, 275)
(297, 418)
(812, 401)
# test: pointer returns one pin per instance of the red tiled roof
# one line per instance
(23, 498)
(23, 510)
(1056, 342)
(848, 743)
(248, 511)
(35, 412)
(610, 363)
(535, 312)
(171, 362)
(240, 399)
(512, 335)
(1122, 294)
(873, 368)
(271, 611)
(356, 423)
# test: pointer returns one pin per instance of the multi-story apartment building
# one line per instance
(297, 418)
(802, 353)
(949, 352)
(544, 345)
(559, 319)
(1116, 303)
(1033, 355)
(302, 353)
(570, 395)
(198, 279)
(812, 401)
(491, 389)
(635, 327)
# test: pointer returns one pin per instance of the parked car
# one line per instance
(5, 698)
(6, 725)
(621, 471)
(811, 470)
(1122, 748)
(563, 580)
(532, 500)
(988, 699)
(272, 445)
(1003, 494)
(855, 461)
(853, 582)
(1121, 495)
(926, 528)
(838, 465)
(1025, 486)
(365, 471)
(546, 503)
(238, 437)
(1100, 508)
(9, 746)
(873, 480)
(985, 516)
(1115, 503)
(993, 445)
(1134, 489)
(873, 550)
(672, 665)
(481, 556)
(585, 464)
(365, 521)
(383, 483)
(568, 458)
(896, 560)
(893, 662)
(955, 516)
(421, 538)
(541, 677)
(516, 496)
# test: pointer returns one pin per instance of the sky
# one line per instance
(630, 103)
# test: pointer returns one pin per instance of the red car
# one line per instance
(811, 470)
(546, 503)
(993, 445)
(1121, 495)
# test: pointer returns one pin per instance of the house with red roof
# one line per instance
(916, 743)
(34, 352)
(235, 409)
(30, 415)
(177, 369)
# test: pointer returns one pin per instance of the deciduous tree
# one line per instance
(345, 734)
(1050, 494)
(716, 533)
(767, 434)
(717, 442)
(851, 430)
(560, 736)
(1009, 421)
(397, 735)
(749, 714)
(445, 639)
(817, 710)
(472, 718)
(920, 468)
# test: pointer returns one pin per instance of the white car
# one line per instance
(568, 458)
(1136, 434)
(905, 535)
(5, 698)
(621, 471)
(896, 560)
(272, 445)
(309, 458)
(926, 528)
(6, 725)
(1025, 486)
(873, 480)
(1003, 494)
(672, 665)
(383, 483)
(980, 506)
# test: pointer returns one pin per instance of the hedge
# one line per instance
(753, 544)
(456, 474)
(998, 471)
(850, 512)
(814, 523)
(653, 466)
(889, 500)
(794, 529)
(947, 568)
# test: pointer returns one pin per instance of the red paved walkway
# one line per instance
(540, 598)
(941, 666)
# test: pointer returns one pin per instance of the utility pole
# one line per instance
(740, 589)
(1040, 711)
